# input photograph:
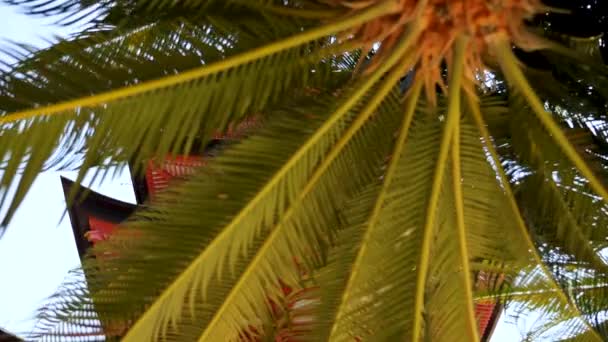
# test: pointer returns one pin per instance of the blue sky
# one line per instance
(37, 250)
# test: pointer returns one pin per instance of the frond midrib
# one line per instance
(453, 115)
(386, 183)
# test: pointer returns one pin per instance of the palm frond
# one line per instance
(375, 231)
(378, 234)
(186, 98)
(141, 13)
(452, 121)
(517, 79)
(553, 213)
(536, 272)
(539, 167)
(333, 332)
(581, 60)
(233, 239)
(103, 13)
(298, 233)
(449, 300)
(381, 290)
(541, 196)
(390, 284)
(104, 61)
(235, 195)
(586, 336)
(536, 296)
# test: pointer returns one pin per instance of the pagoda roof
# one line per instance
(8, 337)
(92, 205)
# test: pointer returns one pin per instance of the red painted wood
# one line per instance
(484, 311)
(99, 229)
(158, 176)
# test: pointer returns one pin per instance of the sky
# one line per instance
(37, 250)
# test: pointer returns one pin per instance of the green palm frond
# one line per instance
(107, 60)
(536, 271)
(165, 43)
(100, 118)
(556, 223)
(396, 279)
(103, 13)
(373, 238)
(600, 326)
(388, 209)
(357, 276)
(137, 14)
(517, 78)
(550, 190)
(268, 198)
(369, 227)
(558, 203)
(588, 293)
(584, 64)
(554, 213)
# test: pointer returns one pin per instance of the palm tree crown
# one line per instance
(359, 207)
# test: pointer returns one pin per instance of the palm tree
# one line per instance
(379, 206)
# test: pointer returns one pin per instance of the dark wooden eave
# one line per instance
(489, 331)
(7, 337)
(92, 204)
